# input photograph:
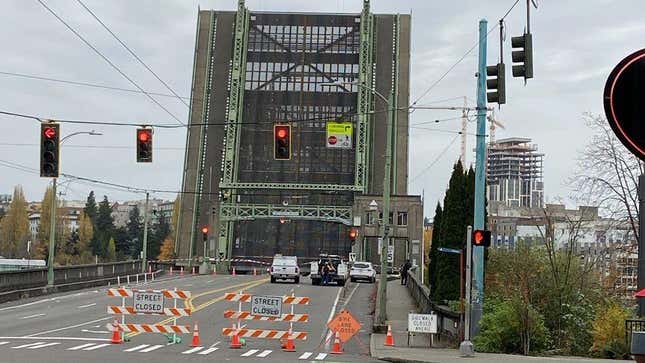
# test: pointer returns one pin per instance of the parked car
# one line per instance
(362, 271)
(285, 267)
(339, 275)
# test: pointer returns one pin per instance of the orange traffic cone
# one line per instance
(336, 348)
(235, 341)
(116, 334)
(195, 342)
(233, 270)
(289, 347)
(389, 339)
(170, 270)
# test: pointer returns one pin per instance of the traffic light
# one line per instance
(282, 142)
(144, 145)
(353, 233)
(496, 83)
(523, 55)
(205, 233)
(49, 149)
(481, 238)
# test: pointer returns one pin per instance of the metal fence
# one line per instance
(448, 322)
(631, 326)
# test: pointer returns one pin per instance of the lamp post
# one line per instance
(387, 181)
(52, 220)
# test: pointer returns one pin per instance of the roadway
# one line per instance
(71, 327)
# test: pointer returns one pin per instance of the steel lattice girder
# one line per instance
(365, 98)
(318, 187)
(241, 212)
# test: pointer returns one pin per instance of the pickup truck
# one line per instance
(285, 267)
(340, 275)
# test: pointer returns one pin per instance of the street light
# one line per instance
(52, 220)
(384, 227)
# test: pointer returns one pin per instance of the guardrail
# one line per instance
(448, 322)
(632, 325)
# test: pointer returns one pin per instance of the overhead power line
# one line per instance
(133, 53)
(108, 61)
(86, 84)
(441, 154)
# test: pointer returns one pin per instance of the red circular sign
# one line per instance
(332, 140)
(623, 101)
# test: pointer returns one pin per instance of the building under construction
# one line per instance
(514, 173)
(317, 74)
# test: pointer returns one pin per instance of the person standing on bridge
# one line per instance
(404, 272)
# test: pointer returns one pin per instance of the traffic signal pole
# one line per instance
(480, 182)
(144, 256)
(466, 347)
(52, 237)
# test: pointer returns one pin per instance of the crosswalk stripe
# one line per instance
(98, 346)
(154, 347)
(209, 350)
(264, 354)
(81, 346)
(43, 345)
(136, 348)
(250, 353)
(27, 345)
(321, 356)
(305, 355)
(196, 349)
(3, 343)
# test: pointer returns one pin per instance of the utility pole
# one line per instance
(640, 282)
(144, 257)
(52, 237)
(480, 183)
(464, 128)
(466, 347)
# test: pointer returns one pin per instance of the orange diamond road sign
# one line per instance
(345, 324)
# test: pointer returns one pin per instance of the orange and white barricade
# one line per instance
(149, 302)
(265, 308)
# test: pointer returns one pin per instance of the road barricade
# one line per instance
(149, 302)
(265, 308)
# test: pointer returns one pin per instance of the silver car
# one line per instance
(362, 271)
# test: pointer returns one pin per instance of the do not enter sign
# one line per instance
(345, 325)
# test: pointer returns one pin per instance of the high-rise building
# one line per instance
(514, 173)
(287, 127)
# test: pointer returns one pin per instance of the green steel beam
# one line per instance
(396, 30)
(292, 186)
(365, 98)
(243, 212)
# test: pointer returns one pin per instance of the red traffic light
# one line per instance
(49, 132)
(282, 142)
(282, 133)
(144, 135)
(481, 237)
(205, 230)
(353, 233)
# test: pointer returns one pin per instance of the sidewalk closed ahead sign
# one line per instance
(422, 323)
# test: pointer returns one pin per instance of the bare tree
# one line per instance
(607, 174)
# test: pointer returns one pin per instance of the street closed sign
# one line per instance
(148, 302)
(266, 305)
(422, 323)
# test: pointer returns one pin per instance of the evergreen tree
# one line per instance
(134, 229)
(161, 231)
(104, 228)
(14, 227)
(91, 208)
(122, 243)
(436, 232)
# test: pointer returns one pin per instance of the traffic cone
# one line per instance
(195, 342)
(255, 273)
(233, 270)
(181, 272)
(289, 347)
(170, 270)
(336, 348)
(389, 339)
(193, 271)
(116, 334)
(235, 341)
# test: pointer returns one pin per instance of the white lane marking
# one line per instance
(136, 348)
(264, 354)
(216, 343)
(81, 346)
(95, 331)
(98, 346)
(68, 327)
(44, 345)
(321, 356)
(32, 316)
(305, 355)
(42, 301)
(196, 349)
(27, 345)
(86, 306)
(331, 316)
(250, 353)
(209, 350)
(3, 343)
(59, 338)
(154, 347)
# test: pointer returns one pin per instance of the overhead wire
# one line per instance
(108, 61)
(133, 53)
(441, 154)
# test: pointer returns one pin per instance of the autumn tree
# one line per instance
(167, 251)
(61, 228)
(85, 235)
(110, 251)
(14, 227)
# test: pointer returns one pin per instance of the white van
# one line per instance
(285, 267)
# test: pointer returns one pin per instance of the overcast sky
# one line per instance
(576, 43)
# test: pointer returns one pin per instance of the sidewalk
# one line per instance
(400, 303)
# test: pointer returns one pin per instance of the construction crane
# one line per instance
(494, 123)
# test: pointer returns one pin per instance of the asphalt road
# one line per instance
(71, 327)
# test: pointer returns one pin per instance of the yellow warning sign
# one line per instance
(339, 135)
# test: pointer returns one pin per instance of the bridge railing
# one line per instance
(632, 325)
(448, 321)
